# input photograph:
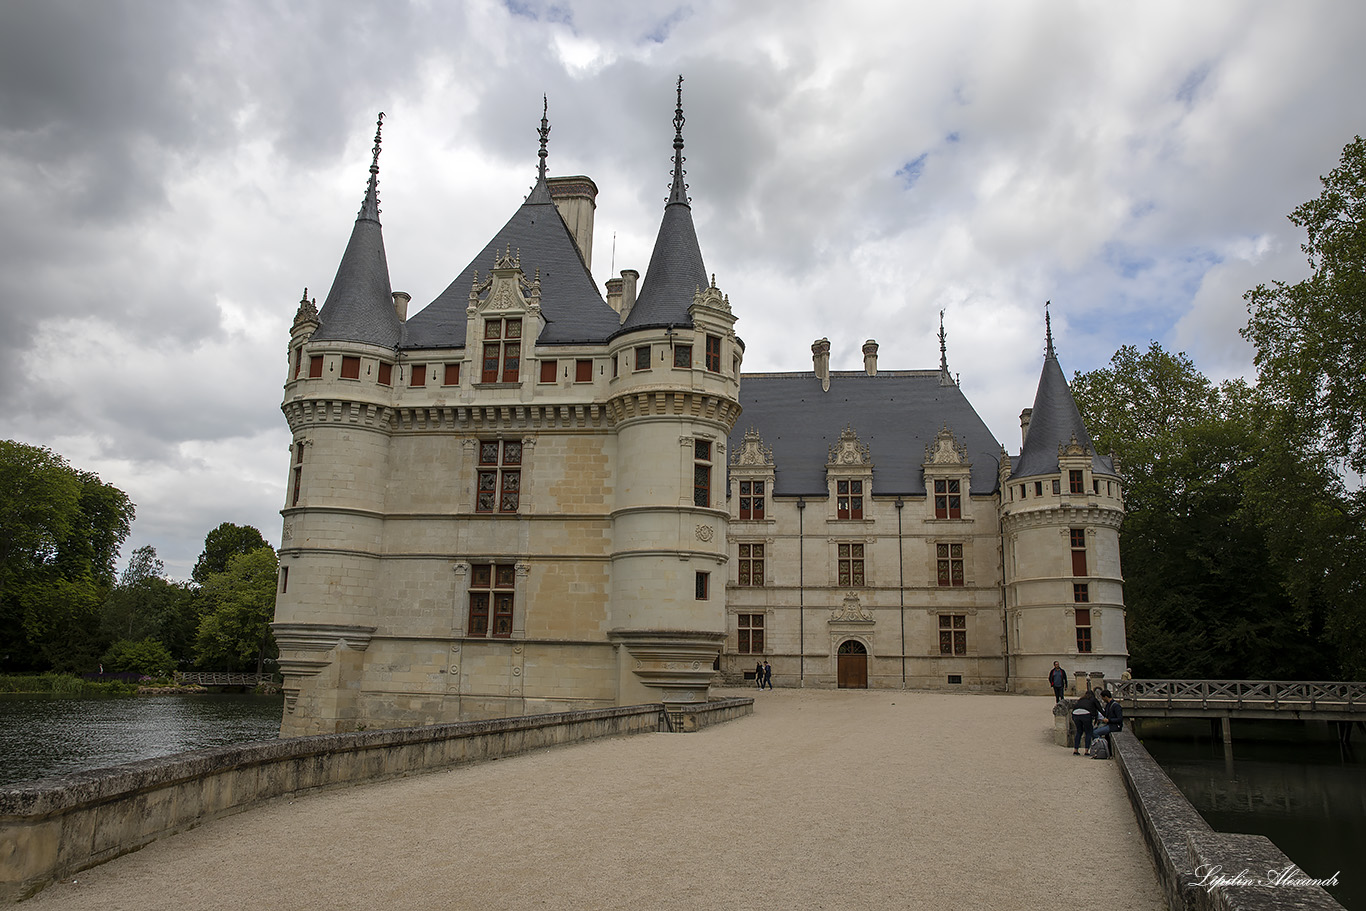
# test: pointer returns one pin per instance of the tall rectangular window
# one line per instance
(502, 351)
(1057, 486)
(682, 355)
(948, 499)
(1083, 629)
(386, 374)
(417, 375)
(850, 565)
(583, 370)
(949, 564)
(702, 586)
(701, 481)
(751, 634)
(714, 353)
(953, 634)
(643, 357)
(284, 579)
(849, 499)
(1078, 536)
(500, 476)
(751, 565)
(1038, 488)
(315, 366)
(452, 377)
(350, 367)
(1075, 482)
(298, 361)
(491, 600)
(1081, 592)
(548, 371)
(751, 499)
(298, 472)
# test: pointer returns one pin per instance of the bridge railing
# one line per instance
(1296, 695)
(221, 678)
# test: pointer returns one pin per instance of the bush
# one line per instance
(148, 657)
(62, 685)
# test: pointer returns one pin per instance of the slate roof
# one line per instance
(1054, 422)
(360, 304)
(574, 309)
(894, 413)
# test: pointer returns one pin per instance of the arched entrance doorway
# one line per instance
(851, 665)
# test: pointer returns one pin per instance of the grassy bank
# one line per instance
(63, 685)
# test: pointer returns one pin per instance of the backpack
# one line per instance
(1100, 748)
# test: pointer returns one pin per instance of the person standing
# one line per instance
(1057, 678)
(768, 675)
(1083, 717)
(759, 675)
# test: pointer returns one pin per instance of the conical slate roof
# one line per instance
(571, 303)
(1054, 422)
(676, 271)
(360, 305)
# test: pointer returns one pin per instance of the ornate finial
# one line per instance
(1048, 332)
(307, 311)
(370, 206)
(943, 346)
(544, 131)
(679, 191)
(304, 299)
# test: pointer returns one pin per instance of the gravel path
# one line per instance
(820, 800)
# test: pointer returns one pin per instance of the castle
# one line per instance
(531, 497)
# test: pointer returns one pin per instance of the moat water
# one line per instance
(46, 736)
(1288, 781)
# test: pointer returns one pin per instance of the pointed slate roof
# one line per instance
(676, 270)
(360, 305)
(894, 413)
(571, 303)
(1054, 421)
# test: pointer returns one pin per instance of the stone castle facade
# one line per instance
(532, 497)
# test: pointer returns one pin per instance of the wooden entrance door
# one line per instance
(852, 666)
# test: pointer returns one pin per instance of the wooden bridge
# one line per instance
(1223, 700)
(222, 678)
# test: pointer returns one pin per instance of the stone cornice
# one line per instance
(1057, 516)
(636, 405)
(302, 413)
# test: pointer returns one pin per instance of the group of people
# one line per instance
(763, 674)
(1087, 711)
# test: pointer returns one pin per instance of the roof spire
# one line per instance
(945, 378)
(545, 135)
(369, 207)
(1048, 333)
(679, 192)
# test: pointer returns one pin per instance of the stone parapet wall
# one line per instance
(1182, 844)
(52, 828)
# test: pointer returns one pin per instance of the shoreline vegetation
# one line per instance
(55, 684)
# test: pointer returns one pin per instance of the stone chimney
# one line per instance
(629, 277)
(576, 198)
(1024, 423)
(870, 357)
(401, 299)
(614, 294)
(820, 357)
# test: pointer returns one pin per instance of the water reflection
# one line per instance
(45, 736)
(1307, 795)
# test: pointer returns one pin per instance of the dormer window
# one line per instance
(948, 499)
(849, 499)
(714, 353)
(502, 350)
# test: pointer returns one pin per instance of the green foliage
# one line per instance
(145, 605)
(1204, 597)
(63, 685)
(239, 604)
(60, 534)
(1311, 350)
(220, 545)
(147, 657)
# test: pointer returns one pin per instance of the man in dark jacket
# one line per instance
(1057, 678)
(1114, 715)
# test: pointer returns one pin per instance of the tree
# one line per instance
(239, 606)
(1311, 351)
(60, 534)
(219, 547)
(144, 604)
(1204, 597)
(148, 657)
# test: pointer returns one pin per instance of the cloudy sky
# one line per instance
(174, 175)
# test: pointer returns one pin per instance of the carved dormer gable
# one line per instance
(1072, 448)
(710, 298)
(848, 452)
(507, 290)
(945, 450)
(752, 452)
(306, 317)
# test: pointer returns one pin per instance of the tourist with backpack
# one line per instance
(1084, 713)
